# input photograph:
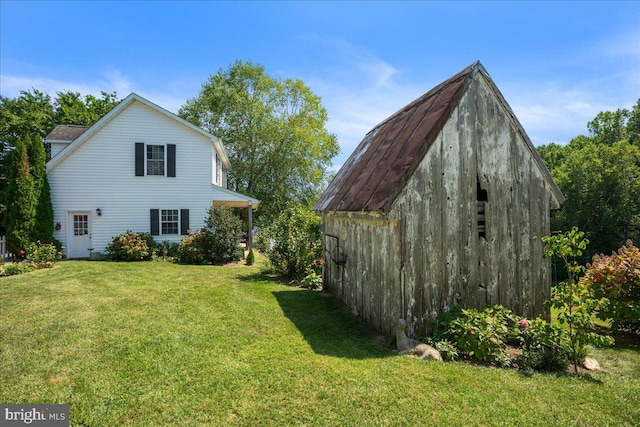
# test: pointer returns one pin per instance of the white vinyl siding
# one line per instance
(57, 147)
(99, 173)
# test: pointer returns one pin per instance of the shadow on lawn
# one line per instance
(328, 329)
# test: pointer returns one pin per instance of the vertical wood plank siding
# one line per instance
(426, 253)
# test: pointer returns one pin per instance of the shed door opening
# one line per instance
(482, 197)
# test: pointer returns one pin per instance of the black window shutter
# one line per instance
(155, 222)
(139, 158)
(184, 222)
(171, 160)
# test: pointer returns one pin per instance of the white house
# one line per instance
(139, 168)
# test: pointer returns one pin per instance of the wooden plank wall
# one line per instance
(369, 283)
(426, 253)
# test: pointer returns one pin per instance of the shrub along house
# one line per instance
(442, 203)
(139, 168)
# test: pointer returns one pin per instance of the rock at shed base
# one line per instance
(591, 364)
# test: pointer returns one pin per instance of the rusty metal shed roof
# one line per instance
(66, 132)
(377, 171)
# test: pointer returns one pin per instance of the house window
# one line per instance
(217, 168)
(80, 225)
(155, 160)
(219, 171)
(169, 221)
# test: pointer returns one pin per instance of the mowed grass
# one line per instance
(159, 344)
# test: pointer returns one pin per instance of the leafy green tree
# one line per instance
(602, 188)
(71, 108)
(633, 125)
(34, 114)
(20, 198)
(599, 175)
(30, 114)
(274, 131)
(609, 127)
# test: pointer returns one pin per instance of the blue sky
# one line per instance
(557, 63)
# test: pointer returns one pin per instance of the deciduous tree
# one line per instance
(34, 114)
(599, 175)
(274, 131)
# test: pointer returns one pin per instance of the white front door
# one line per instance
(80, 235)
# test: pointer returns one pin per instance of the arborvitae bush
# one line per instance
(43, 227)
(251, 258)
(20, 199)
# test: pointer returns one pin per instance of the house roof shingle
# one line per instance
(378, 169)
(66, 132)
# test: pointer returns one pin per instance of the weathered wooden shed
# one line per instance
(442, 203)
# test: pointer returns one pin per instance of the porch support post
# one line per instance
(249, 234)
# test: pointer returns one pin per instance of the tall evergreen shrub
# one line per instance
(21, 199)
(43, 221)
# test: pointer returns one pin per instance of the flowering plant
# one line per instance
(43, 255)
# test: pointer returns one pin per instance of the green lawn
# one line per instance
(156, 344)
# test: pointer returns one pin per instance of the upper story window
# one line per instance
(155, 159)
(218, 170)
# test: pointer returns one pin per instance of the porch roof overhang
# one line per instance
(226, 197)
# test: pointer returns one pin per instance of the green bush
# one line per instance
(311, 281)
(484, 335)
(617, 278)
(166, 250)
(481, 334)
(293, 242)
(130, 246)
(217, 242)
(545, 347)
(15, 268)
(447, 350)
(251, 258)
(193, 249)
(43, 255)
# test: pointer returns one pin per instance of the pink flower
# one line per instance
(524, 323)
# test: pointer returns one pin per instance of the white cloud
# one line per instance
(359, 90)
(110, 81)
(113, 81)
